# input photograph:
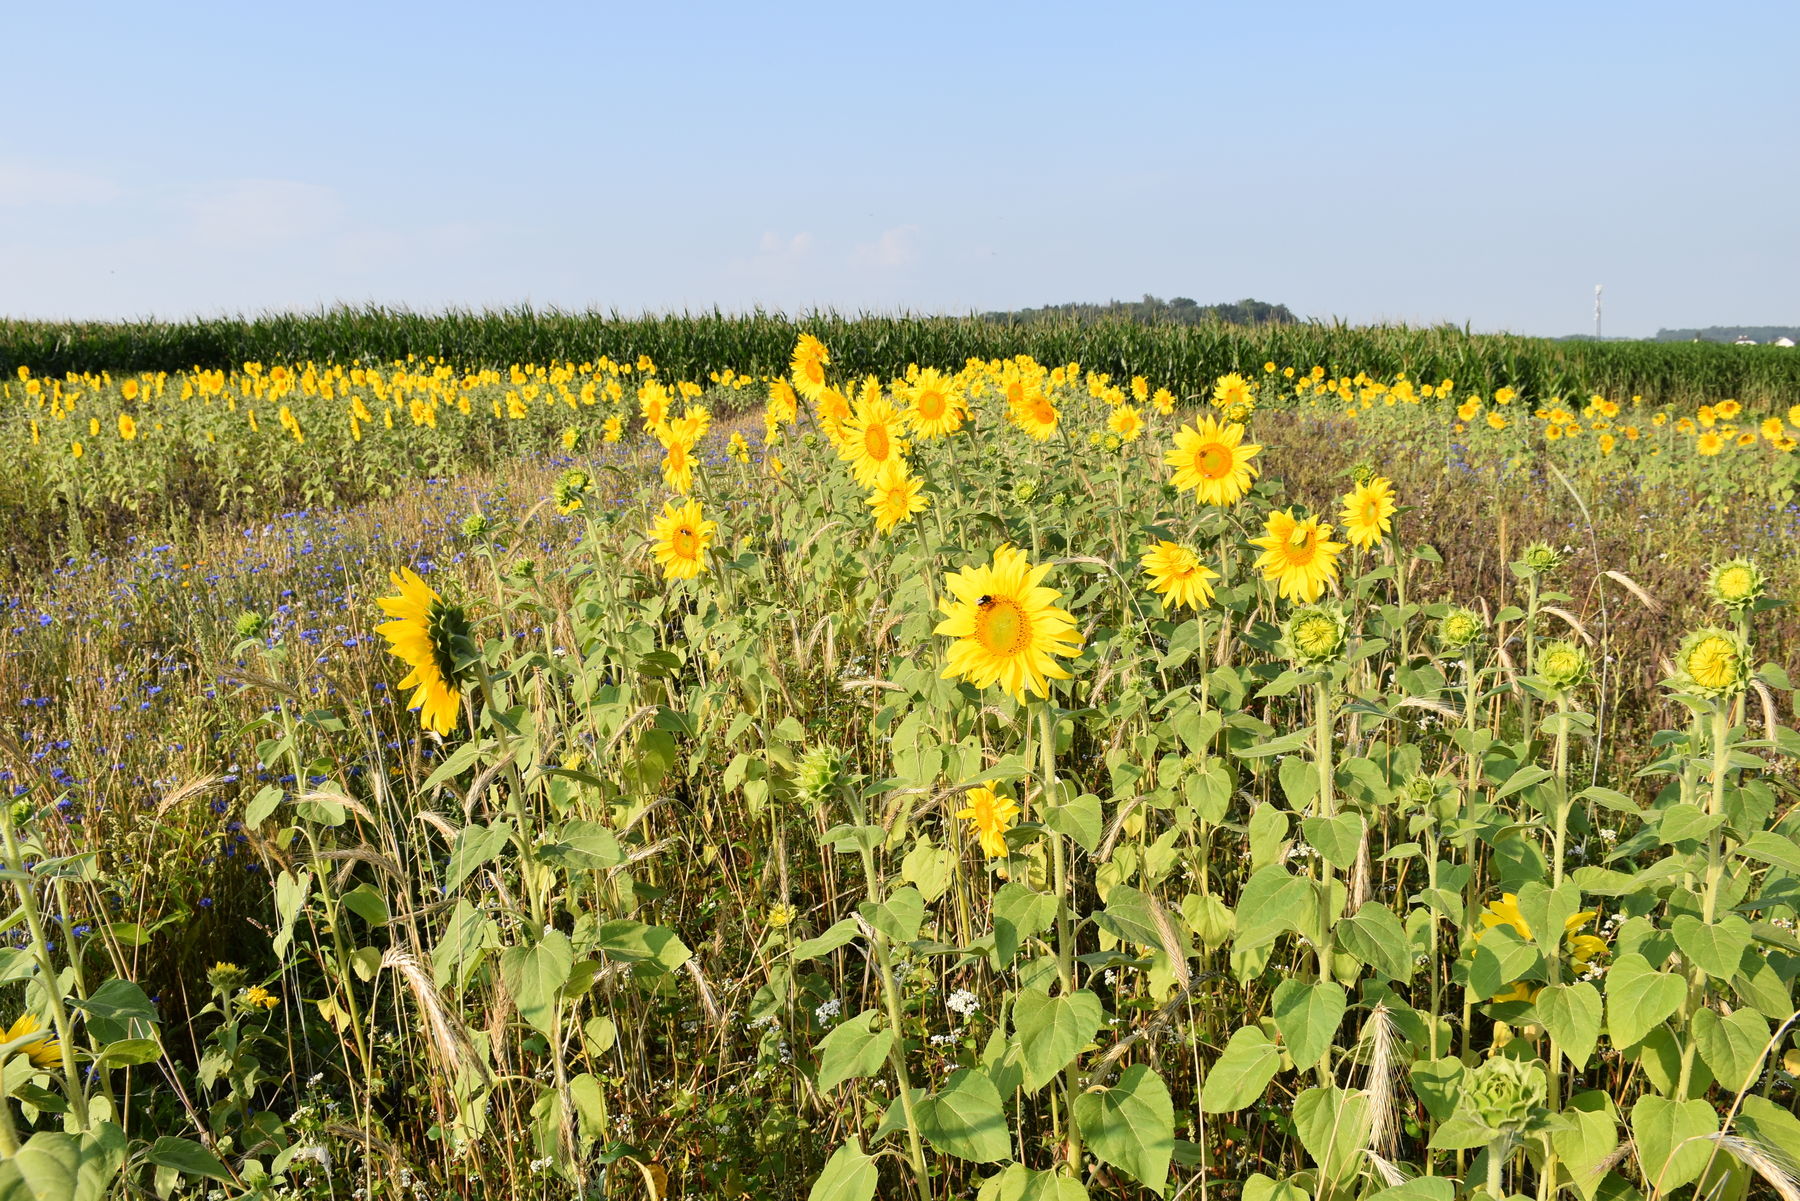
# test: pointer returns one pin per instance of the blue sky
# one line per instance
(1410, 162)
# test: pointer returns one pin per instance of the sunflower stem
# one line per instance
(24, 887)
(1065, 934)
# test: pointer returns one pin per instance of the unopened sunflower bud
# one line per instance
(1736, 584)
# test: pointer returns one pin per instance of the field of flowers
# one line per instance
(992, 780)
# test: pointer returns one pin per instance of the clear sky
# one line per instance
(1372, 161)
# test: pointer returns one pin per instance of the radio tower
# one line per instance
(1597, 290)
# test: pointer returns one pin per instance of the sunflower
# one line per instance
(653, 405)
(1710, 443)
(1213, 460)
(1712, 662)
(1315, 634)
(896, 496)
(425, 633)
(681, 538)
(1036, 415)
(678, 463)
(1127, 422)
(834, 413)
(936, 406)
(1736, 583)
(1297, 553)
(127, 427)
(1505, 912)
(808, 367)
(1176, 573)
(612, 430)
(872, 437)
(1232, 392)
(45, 1052)
(1564, 665)
(1367, 512)
(1006, 626)
(990, 815)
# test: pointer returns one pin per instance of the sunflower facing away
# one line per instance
(681, 537)
(1368, 512)
(990, 816)
(896, 497)
(424, 634)
(1298, 554)
(1213, 460)
(1006, 626)
(1176, 573)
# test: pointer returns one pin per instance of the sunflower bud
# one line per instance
(1460, 629)
(571, 489)
(1564, 666)
(225, 978)
(522, 568)
(250, 625)
(782, 916)
(1314, 634)
(1506, 1093)
(476, 526)
(1541, 558)
(1712, 662)
(820, 777)
(1736, 584)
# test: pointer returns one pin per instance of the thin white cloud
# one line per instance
(27, 185)
(251, 212)
(896, 247)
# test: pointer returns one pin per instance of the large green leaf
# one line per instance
(1732, 1046)
(1308, 1013)
(1131, 1125)
(1587, 1141)
(1375, 936)
(849, 1175)
(1080, 819)
(1501, 957)
(899, 917)
(628, 941)
(1713, 947)
(1336, 838)
(534, 976)
(1020, 1183)
(841, 933)
(965, 1118)
(53, 1166)
(475, 845)
(1671, 1139)
(1271, 903)
(118, 1010)
(1638, 998)
(1333, 1126)
(1052, 1031)
(853, 1050)
(187, 1157)
(1241, 1073)
(1571, 1013)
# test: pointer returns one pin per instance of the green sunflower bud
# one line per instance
(1460, 629)
(1712, 662)
(250, 625)
(571, 489)
(1564, 666)
(1506, 1093)
(1736, 584)
(476, 526)
(820, 777)
(1541, 558)
(1314, 634)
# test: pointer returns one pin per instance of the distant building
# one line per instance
(1740, 340)
(1782, 342)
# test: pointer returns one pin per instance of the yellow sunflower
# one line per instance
(424, 634)
(936, 406)
(1297, 553)
(1176, 573)
(990, 815)
(1036, 415)
(1213, 460)
(1007, 626)
(1710, 443)
(678, 463)
(808, 367)
(1233, 393)
(1127, 422)
(681, 538)
(1367, 512)
(872, 437)
(46, 1052)
(897, 496)
(834, 414)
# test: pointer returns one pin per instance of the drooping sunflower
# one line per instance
(936, 406)
(1127, 422)
(1368, 512)
(872, 436)
(1176, 573)
(990, 815)
(45, 1052)
(808, 367)
(1298, 554)
(681, 536)
(896, 497)
(424, 633)
(1036, 415)
(1006, 626)
(1213, 460)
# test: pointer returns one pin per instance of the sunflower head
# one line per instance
(1540, 558)
(476, 526)
(1564, 666)
(1006, 626)
(821, 774)
(990, 815)
(1712, 662)
(1506, 1093)
(1314, 634)
(1735, 584)
(1176, 574)
(433, 637)
(44, 1052)
(250, 625)
(1460, 629)
(681, 536)
(571, 490)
